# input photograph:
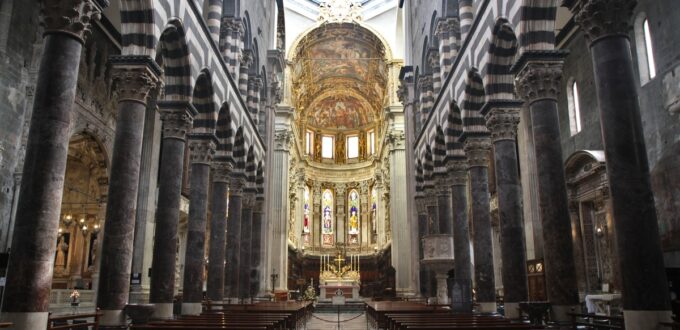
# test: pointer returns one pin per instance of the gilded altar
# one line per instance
(339, 276)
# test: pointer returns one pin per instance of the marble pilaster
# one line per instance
(218, 228)
(606, 24)
(477, 150)
(176, 118)
(37, 212)
(201, 152)
(538, 83)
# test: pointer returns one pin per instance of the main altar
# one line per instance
(339, 276)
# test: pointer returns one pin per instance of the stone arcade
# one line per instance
(174, 159)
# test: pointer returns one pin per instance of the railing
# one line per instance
(593, 321)
(78, 321)
(63, 296)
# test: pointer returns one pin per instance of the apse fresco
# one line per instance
(340, 57)
(339, 111)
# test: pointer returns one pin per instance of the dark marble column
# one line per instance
(256, 247)
(477, 151)
(201, 152)
(461, 228)
(645, 287)
(423, 217)
(176, 118)
(538, 82)
(37, 217)
(430, 201)
(444, 206)
(218, 228)
(246, 245)
(502, 119)
(134, 77)
(233, 237)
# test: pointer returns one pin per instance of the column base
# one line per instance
(26, 321)
(645, 320)
(487, 307)
(113, 318)
(512, 310)
(560, 312)
(191, 308)
(162, 311)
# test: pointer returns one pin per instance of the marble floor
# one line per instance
(329, 321)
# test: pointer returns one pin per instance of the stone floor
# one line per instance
(317, 321)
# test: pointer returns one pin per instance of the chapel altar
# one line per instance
(339, 276)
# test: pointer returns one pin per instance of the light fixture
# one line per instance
(96, 228)
(599, 232)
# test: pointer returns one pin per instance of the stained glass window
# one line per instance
(354, 217)
(305, 215)
(327, 217)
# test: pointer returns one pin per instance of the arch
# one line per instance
(259, 181)
(137, 27)
(225, 134)
(173, 57)
(419, 178)
(251, 168)
(248, 32)
(428, 169)
(439, 152)
(255, 64)
(574, 106)
(473, 121)
(327, 217)
(239, 153)
(537, 25)
(353, 215)
(206, 117)
(425, 63)
(644, 48)
(433, 26)
(454, 128)
(502, 50)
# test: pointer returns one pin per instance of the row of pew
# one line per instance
(259, 316)
(393, 315)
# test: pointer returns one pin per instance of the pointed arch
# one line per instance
(173, 57)
(537, 25)
(205, 120)
(354, 215)
(499, 82)
(251, 169)
(428, 169)
(439, 152)
(259, 181)
(239, 153)
(473, 121)
(419, 178)
(225, 134)
(454, 128)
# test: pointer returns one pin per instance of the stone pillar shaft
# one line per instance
(444, 208)
(256, 249)
(176, 121)
(477, 151)
(503, 126)
(461, 228)
(538, 82)
(606, 25)
(246, 247)
(233, 239)
(218, 227)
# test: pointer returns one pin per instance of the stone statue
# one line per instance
(60, 262)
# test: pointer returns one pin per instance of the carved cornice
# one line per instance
(201, 151)
(603, 18)
(477, 150)
(134, 77)
(222, 171)
(539, 80)
(502, 123)
(72, 17)
(176, 121)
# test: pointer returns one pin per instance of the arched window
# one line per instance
(644, 49)
(352, 147)
(327, 148)
(327, 218)
(354, 216)
(574, 107)
(305, 217)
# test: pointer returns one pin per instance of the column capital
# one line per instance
(246, 58)
(177, 118)
(443, 28)
(201, 150)
(282, 139)
(425, 82)
(72, 17)
(248, 200)
(458, 171)
(443, 186)
(134, 77)
(420, 205)
(502, 123)
(538, 80)
(396, 139)
(232, 24)
(602, 18)
(236, 185)
(477, 151)
(222, 171)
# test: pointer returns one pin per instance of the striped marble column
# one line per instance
(466, 15)
(433, 58)
(231, 31)
(246, 60)
(213, 18)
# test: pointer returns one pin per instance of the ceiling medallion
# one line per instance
(338, 11)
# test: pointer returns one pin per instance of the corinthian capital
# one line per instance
(222, 171)
(477, 150)
(502, 122)
(601, 18)
(177, 118)
(134, 77)
(201, 150)
(236, 185)
(458, 171)
(73, 17)
(539, 80)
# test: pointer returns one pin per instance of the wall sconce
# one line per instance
(84, 229)
(60, 232)
(96, 228)
(599, 232)
(68, 220)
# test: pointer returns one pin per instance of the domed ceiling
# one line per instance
(339, 77)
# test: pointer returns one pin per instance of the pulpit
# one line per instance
(438, 257)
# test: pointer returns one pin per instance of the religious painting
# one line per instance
(340, 111)
(340, 56)
(327, 218)
(354, 214)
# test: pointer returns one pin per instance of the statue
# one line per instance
(60, 262)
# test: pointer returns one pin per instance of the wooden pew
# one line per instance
(62, 322)
(593, 321)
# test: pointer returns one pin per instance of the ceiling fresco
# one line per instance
(340, 77)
